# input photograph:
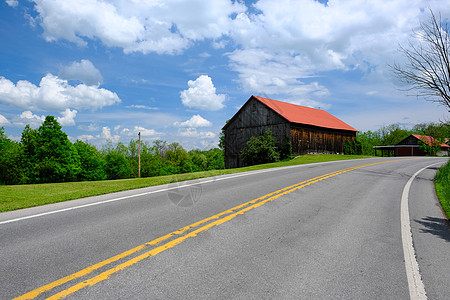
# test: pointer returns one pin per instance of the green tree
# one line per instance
(11, 161)
(216, 160)
(260, 150)
(177, 159)
(56, 158)
(91, 162)
(117, 165)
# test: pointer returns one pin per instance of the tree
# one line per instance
(92, 163)
(117, 165)
(11, 161)
(260, 150)
(427, 67)
(56, 158)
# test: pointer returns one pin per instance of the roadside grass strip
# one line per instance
(172, 239)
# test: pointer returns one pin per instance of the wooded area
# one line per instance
(47, 155)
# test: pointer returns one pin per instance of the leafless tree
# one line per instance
(427, 67)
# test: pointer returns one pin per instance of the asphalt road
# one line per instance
(244, 236)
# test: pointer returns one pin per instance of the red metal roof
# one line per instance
(305, 115)
(429, 140)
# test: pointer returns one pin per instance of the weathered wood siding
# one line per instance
(253, 119)
(410, 140)
(309, 139)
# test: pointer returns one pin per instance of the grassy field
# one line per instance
(14, 197)
(442, 182)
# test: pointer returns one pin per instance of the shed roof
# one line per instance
(429, 140)
(305, 115)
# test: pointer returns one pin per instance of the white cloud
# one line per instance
(85, 137)
(12, 3)
(106, 135)
(192, 132)
(3, 120)
(142, 107)
(136, 129)
(67, 118)
(281, 43)
(83, 71)
(54, 93)
(28, 118)
(194, 122)
(202, 94)
(168, 26)
(90, 127)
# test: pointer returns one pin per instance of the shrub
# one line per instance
(260, 150)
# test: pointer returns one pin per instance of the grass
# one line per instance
(442, 182)
(13, 197)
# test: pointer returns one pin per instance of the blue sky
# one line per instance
(177, 70)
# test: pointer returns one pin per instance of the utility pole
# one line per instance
(139, 170)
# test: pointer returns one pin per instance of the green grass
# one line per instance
(14, 197)
(442, 182)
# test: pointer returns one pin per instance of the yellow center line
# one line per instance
(228, 215)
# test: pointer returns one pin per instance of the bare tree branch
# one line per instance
(427, 70)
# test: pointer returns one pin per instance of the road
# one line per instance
(322, 231)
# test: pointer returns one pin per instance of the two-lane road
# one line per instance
(330, 230)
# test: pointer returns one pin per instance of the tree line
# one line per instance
(46, 155)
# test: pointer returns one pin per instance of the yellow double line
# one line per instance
(215, 221)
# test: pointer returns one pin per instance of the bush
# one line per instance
(260, 150)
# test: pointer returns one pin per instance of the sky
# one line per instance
(177, 70)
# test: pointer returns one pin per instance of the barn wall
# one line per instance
(410, 140)
(308, 139)
(253, 119)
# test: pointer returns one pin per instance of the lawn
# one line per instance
(14, 197)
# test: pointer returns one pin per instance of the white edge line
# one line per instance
(415, 283)
(143, 194)
(167, 189)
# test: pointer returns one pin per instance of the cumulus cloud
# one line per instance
(281, 43)
(67, 118)
(3, 120)
(85, 137)
(106, 134)
(193, 132)
(168, 26)
(28, 118)
(54, 93)
(202, 94)
(83, 71)
(194, 121)
(136, 129)
(12, 3)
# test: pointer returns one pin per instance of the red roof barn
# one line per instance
(309, 130)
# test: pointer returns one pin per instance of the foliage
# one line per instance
(117, 165)
(432, 149)
(442, 182)
(260, 150)
(11, 161)
(92, 162)
(427, 67)
(352, 147)
(286, 149)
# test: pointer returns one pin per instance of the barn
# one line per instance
(309, 130)
(410, 146)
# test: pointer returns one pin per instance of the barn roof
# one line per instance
(429, 140)
(304, 115)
